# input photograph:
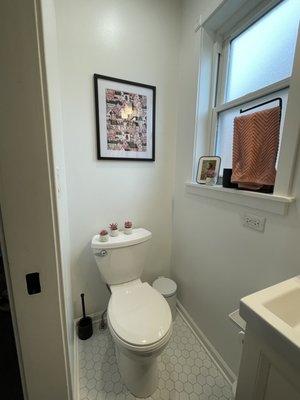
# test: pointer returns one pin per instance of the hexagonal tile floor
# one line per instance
(186, 372)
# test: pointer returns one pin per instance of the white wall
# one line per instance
(214, 259)
(134, 40)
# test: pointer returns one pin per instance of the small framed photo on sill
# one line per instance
(125, 119)
(208, 169)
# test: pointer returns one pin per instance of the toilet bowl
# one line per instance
(139, 318)
(140, 323)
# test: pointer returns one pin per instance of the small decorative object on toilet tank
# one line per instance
(103, 235)
(128, 227)
(114, 229)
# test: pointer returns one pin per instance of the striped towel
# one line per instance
(255, 147)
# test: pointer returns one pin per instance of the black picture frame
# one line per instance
(100, 156)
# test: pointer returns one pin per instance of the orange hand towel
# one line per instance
(255, 147)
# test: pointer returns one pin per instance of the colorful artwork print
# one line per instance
(208, 169)
(126, 121)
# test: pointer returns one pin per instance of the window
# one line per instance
(256, 66)
(225, 125)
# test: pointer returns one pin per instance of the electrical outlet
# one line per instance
(254, 222)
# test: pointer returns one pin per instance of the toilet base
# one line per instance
(139, 374)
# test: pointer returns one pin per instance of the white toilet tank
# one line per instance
(121, 259)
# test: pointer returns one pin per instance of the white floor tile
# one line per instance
(186, 372)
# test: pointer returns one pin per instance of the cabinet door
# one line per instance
(278, 387)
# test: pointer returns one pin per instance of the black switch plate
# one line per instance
(33, 283)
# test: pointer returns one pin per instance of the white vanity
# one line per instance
(270, 365)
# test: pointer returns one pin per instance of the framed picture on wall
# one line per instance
(125, 119)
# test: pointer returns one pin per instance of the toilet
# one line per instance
(139, 317)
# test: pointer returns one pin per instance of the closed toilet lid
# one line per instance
(139, 314)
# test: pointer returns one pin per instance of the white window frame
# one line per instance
(220, 90)
(206, 133)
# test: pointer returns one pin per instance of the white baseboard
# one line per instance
(215, 356)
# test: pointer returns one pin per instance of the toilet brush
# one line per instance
(85, 324)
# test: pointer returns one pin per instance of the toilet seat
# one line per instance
(139, 316)
(143, 350)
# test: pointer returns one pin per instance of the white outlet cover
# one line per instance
(255, 222)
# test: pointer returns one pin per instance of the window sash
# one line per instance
(274, 87)
(219, 86)
(225, 43)
(283, 84)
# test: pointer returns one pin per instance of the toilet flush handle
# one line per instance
(101, 253)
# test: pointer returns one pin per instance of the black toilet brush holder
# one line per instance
(85, 324)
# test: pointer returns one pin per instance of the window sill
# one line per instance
(261, 201)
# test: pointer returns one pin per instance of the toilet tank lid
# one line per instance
(138, 235)
(167, 287)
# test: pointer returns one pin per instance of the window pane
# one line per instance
(225, 125)
(263, 54)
